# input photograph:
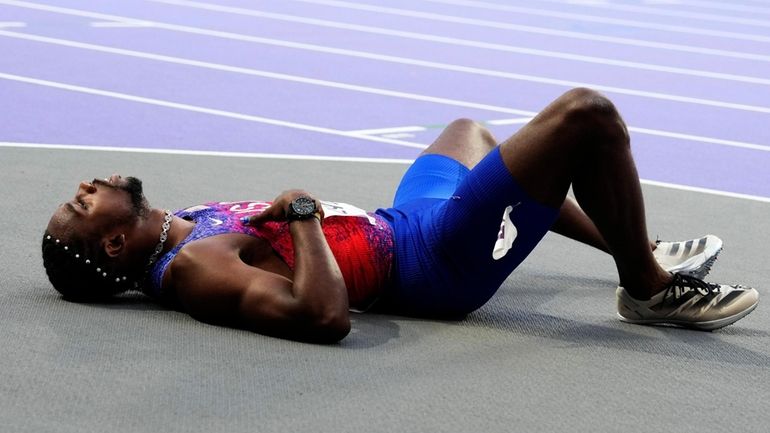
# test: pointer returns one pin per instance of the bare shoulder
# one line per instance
(228, 280)
(210, 278)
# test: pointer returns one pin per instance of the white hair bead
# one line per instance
(57, 241)
(88, 262)
(117, 280)
(98, 269)
(104, 274)
(77, 256)
(48, 237)
(66, 248)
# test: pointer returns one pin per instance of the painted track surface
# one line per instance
(323, 78)
(297, 76)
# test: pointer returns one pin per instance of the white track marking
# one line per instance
(383, 92)
(603, 20)
(537, 12)
(364, 89)
(721, 18)
(261, 73)
(500, 25)
(726, 6)
(203, 153)
(637, 130)
(11, 24)
(466, 42)
(423, 63)
(398, 135)
(699, 138)
(324, 158)
(119, 24)
(395, 130)
(705, 190)
(204, 110)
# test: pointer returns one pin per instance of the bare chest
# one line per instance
(251, 250)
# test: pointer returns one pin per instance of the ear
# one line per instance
(114, 245)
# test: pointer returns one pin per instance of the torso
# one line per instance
(361, 243)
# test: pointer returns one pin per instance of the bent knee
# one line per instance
(584, 102)
(470, 127)
(594, 114)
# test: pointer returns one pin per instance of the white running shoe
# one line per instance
(694, 257)
(691, 303)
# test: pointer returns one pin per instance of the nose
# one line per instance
(86, 187)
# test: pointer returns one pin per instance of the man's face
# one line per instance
(99, 206)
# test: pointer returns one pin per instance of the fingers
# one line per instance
(271, 213)
(278, 209)
(251, 220)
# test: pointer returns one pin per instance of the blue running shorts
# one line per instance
(447, 220)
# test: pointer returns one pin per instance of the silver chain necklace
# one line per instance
(163, 236)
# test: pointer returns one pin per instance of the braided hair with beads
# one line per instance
(79, 272)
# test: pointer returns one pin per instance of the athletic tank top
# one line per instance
(362, 243)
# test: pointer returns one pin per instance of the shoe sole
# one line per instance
(708, 258)
(701, 326)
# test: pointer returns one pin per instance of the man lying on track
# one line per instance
(466, 213)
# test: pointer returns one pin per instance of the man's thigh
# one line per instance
(491, 225)
(445, 261)
(431, 176)
(444, 164)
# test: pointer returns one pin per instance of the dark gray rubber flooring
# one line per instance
(546, 354)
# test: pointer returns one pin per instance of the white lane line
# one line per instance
(538, 12)
(420, 63)
(701, 139)
(398, 135)
(50, 146)
(204, 110)
(356, 88)
(725, 6)
(119, 24)
(515, 121)
(12, 24)
(202, 153)
(666, 12)
(500, 25)
(465, 42)
(262, 73)
(604, 20)
(398, 129)
(571, 34)
(637, 130)
(706, 190)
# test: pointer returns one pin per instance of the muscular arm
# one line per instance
(318, 286)
(216, 286)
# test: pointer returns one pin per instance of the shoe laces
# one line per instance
(682, 284)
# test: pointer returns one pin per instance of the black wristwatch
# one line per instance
(302, 208)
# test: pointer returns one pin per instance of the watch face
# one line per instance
(303, 206)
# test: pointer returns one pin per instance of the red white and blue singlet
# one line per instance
(448, 243)
(362, 243)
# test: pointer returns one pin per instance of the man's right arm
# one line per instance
(214, 285)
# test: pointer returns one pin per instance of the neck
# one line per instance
(149, 231)
(180, 229)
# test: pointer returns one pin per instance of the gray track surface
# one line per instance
(546, 354)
